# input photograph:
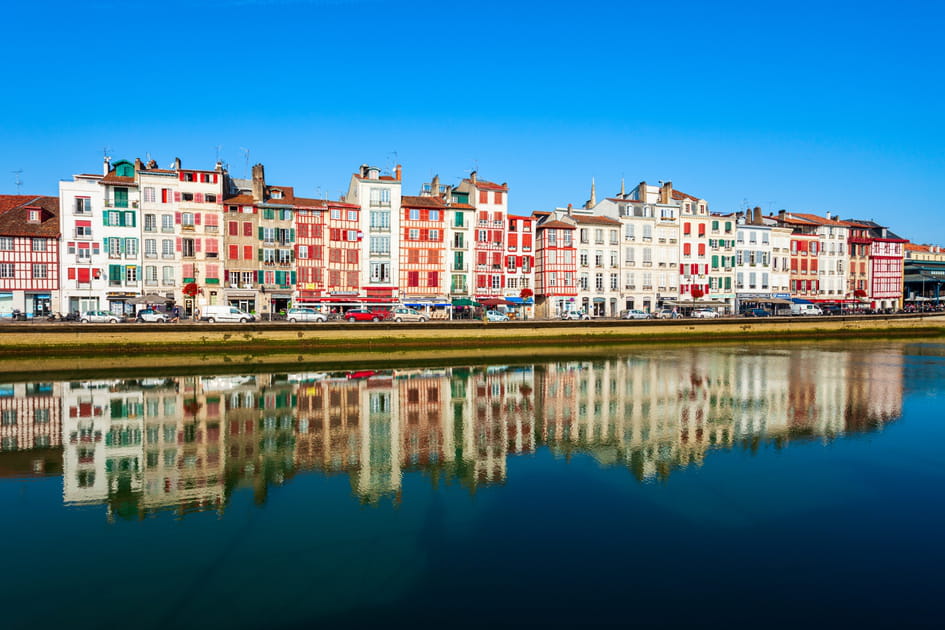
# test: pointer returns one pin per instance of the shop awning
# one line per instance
(518, 300)
(800, 301)
(465, 302)
(490, 302)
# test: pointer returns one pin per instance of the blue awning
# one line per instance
(518, 300)
(801, 301)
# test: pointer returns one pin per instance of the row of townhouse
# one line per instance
(138, 234)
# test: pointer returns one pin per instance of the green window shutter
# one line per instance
(292, 277)
(261, 235)
(260, 253)
(715, 262)
(280, 277)
(292, 235)
(728, 282)
(715, 225)
(260, 278)
(114, 271)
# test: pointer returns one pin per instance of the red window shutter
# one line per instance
(178, 243)
(520, 261)
(177, 218)
(71, 273)
(527, 240)
(196, 218)
(164, 192)
(702, 229)
(247, 252)
(686, 249)
(176, 195)
(215, 176)
(233, 228)
(694, 269)
(180, 175)
(482, 258)
(687, 228)
(702, 249)
(513, 241)
(496, 258)
(198, 197)
(234, 253)
(85, 274)
(197, 245)
(483, 196)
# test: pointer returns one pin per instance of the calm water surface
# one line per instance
(745, 486)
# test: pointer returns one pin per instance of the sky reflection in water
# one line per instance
(728, 485)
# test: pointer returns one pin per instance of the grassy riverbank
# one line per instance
(58, 348)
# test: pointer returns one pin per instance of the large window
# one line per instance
(6, 270)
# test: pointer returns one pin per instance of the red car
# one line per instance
(365, 315)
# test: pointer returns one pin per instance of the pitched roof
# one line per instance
(621, 200)
(556, 224)
(14, 216)
(813, 218)
(595, 220)
(112, 178)
(487, 185)
(422, 202)
(678, 194)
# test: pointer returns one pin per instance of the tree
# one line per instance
(190, 289)
(697, 293)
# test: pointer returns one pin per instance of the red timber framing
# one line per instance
(29, 248)
(556, 262)
(422, 248)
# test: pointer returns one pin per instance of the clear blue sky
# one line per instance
(809, 106)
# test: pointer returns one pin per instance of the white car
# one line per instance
(305, 315)
(575, 315)
(705, 313)
(150, 315)
(635, 313)
(407, 314)
(99, 317)
(496, 316)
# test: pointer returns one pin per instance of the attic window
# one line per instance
(33, 215)
(276, 193)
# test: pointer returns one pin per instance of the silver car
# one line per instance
(407, 314)
(305, 315)
(99, 317)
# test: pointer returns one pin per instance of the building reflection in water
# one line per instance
(139, 446)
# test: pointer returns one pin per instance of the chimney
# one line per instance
(472, 176)
(152, 163)
(176, 164)
(593, 200)
(448, 194)
(259, 182)
(756, 217)
(397, 172)
(218, 167)
(623, 194)
(828, 216)
(364, 171)
(569, 209)
(434, 186)
(107, 165)
(641, 192)
(782, 215)
(666, 192)
(137, 164)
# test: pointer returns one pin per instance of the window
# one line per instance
(380, 219)
(131, 274)
(6, 243)
(83, 205)
(352, 215)
(150, 223)
(434, 235)
(380, 245)
(187, 248)
(379, 198)
(167, 223)
(413, 214)
(434, 215)
(40, 271)
(414, 235)
(38, 244)
(6, 270)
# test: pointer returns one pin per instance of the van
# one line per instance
(218, 313)
(805, 309)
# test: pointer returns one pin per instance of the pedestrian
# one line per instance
(176, 317)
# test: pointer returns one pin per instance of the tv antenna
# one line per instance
(17, 180)
(219, 147)
(245, 153)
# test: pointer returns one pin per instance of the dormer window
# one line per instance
(276, 194)
(33, 215)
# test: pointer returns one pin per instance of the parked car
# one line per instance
(757, 312)
(831, 309)
(705, 313)
(575, 315)
(635, 313)
(806, 309)
(496, 316)
(302, 314)
(222, 313)
(365, 315)
(151, 316)
(99, 317)
(667, 313)
(407, 314)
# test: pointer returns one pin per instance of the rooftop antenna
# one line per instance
(245, 152)
(391, 164)
(219, 147)
(105, 151)
(17, 180)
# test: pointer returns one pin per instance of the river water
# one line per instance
(738, 485)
